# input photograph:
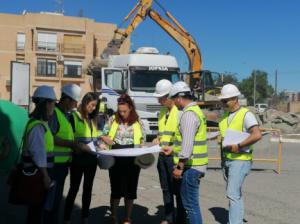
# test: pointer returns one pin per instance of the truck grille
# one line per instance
(153, 108)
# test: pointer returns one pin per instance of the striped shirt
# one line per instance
(188, 126)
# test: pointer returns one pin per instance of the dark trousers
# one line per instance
(34, 214)
(165, 171)
(58, 173)
(124, 176)
(76, 173)
(181, 216)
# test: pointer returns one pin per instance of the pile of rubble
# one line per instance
(288, 123)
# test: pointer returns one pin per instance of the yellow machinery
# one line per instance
(141, 11)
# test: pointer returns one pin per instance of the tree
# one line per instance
(230, 78)
(263, 89)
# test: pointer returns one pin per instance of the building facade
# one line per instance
(58, 48)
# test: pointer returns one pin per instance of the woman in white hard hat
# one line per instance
(125, 131)
(38, 146)
(84, 123)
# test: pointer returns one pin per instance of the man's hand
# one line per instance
(155, 141)
(234, 148)
(167, 150)
(103, 146)
(84, 147)
(177, 174)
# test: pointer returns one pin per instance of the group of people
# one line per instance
(57, 136)
(183, 162)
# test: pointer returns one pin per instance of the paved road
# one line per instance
(269, 198)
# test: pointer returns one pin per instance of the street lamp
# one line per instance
(254, 87)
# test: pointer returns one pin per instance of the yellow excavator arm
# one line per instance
(143, 9)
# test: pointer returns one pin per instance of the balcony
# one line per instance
(46, 73)
(46, 46)
(73, 48)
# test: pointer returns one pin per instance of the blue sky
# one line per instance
(234, 35)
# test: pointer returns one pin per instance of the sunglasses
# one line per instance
(123, 100)
(226, 100)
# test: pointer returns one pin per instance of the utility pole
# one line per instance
(276, 82)
(254, 86)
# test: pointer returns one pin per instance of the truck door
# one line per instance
(114, 83)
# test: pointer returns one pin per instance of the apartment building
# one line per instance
(58, 48)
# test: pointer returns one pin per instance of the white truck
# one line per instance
(137, 74)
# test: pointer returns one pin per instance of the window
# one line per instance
(47, 42)
(73, 44)
(114, 80)
(72, 69)
(20, 41)
(46, 67)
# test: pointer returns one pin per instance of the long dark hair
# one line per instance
(40, 110)
(85, 101)
(133, 116)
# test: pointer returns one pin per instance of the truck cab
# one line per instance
(137, 74)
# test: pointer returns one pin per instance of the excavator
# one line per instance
(203, 80)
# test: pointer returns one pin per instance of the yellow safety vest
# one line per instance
(237, 125)
(102, 107)
(65, 132)
(137, 133)
(167, 127)
(199, 156)
(83, 132)
(48, 138)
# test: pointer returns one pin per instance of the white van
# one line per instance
(261, 107)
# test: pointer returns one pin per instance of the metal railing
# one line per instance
(267, 150)
(46, 46)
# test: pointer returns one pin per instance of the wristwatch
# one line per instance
(179, 167)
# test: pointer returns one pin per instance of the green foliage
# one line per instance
(263, 89)
(230, 78)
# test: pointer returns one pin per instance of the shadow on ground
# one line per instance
(101, 214)
(220, 214)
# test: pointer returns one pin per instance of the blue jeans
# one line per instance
(190, 195)
(235, 172)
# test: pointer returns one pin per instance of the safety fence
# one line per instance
(267, 150)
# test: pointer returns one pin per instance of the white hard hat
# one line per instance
(72, 90)
(229, 91)
(179, 87)
(162, 88)
(144, 161)
(45, 92)
(105, 162)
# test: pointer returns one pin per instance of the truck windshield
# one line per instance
(146, 80)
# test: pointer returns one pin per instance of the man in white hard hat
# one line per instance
(237, 158)
(190, 157)
(168, 121)
(63, 144)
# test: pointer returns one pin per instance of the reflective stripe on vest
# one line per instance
(167, 127)
(83, 132)
(65, 132)
(49, 142)
(199, 156)
(236, 124)
(137, 133)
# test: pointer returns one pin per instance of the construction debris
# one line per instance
(288, 123)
